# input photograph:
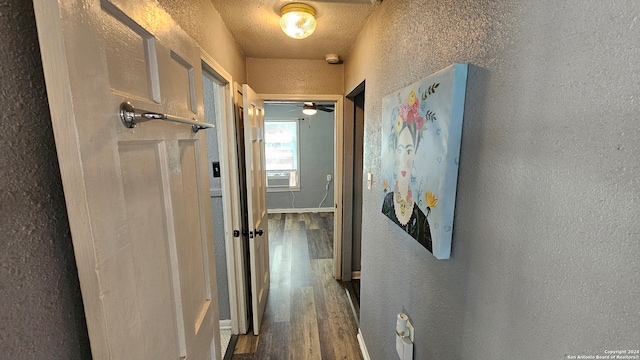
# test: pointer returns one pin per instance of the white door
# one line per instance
(256, 202)
(137, 198)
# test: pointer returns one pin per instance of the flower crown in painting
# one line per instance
(412, 113)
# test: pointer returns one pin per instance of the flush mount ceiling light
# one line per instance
(298, 20)
(309, 109)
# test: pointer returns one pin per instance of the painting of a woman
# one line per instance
(421, 137)
(399, 204)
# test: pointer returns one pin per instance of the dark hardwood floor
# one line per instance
(308, 314)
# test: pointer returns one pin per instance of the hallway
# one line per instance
(308, 314)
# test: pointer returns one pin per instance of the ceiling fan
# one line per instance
(310, 108)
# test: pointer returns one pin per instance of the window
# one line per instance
(281, 154)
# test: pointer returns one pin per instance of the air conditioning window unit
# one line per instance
(281, 178)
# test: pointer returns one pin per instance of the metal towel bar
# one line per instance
(131, 116)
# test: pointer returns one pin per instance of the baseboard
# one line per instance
(225, 324)
(363, 347)
(353, 303)
(299, 210)
(355, 275)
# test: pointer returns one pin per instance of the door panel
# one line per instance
(145, 203)
(184, 90)
(256, 201)
(137, 198)
(193, 267)
(130, 49)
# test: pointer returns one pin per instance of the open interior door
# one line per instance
(253, 108)
(137, 198)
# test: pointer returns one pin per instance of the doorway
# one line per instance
(300, 156)
(223, 107)
(353, 170)
(232, 151)
(213, 96)
(337, 178)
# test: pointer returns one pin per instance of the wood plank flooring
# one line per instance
(308, 315)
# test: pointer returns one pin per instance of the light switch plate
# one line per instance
(369, 180)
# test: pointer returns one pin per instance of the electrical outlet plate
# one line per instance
(400, 347)
(404, 348)
(328, 177)
(411, 330)
(404, 345)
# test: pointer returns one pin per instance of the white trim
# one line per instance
(337, 171)
(299, 210)
(225, 325)
(363, 347)
(337, 193)
(355, 275)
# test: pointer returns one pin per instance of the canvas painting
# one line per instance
(421, 134)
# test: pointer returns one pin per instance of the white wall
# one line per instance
(546, 257)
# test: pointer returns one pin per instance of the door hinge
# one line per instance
(236, 233)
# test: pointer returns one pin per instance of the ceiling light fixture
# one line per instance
(309, 110)
(298, 20)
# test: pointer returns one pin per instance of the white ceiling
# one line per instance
(255, 27)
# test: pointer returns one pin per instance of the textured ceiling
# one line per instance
(255, 27)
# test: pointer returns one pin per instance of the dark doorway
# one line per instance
(353, 188)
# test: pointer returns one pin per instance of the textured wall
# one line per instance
(202, 22)
(281, 76)
(316, 158)
(41, 311)
(545, 259)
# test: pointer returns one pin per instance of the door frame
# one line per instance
(230, 191)
(338, 160)
(350, 129)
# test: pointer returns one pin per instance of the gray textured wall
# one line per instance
(546, 251)
(316, 158)
(41, 311)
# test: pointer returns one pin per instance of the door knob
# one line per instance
(259, 232)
